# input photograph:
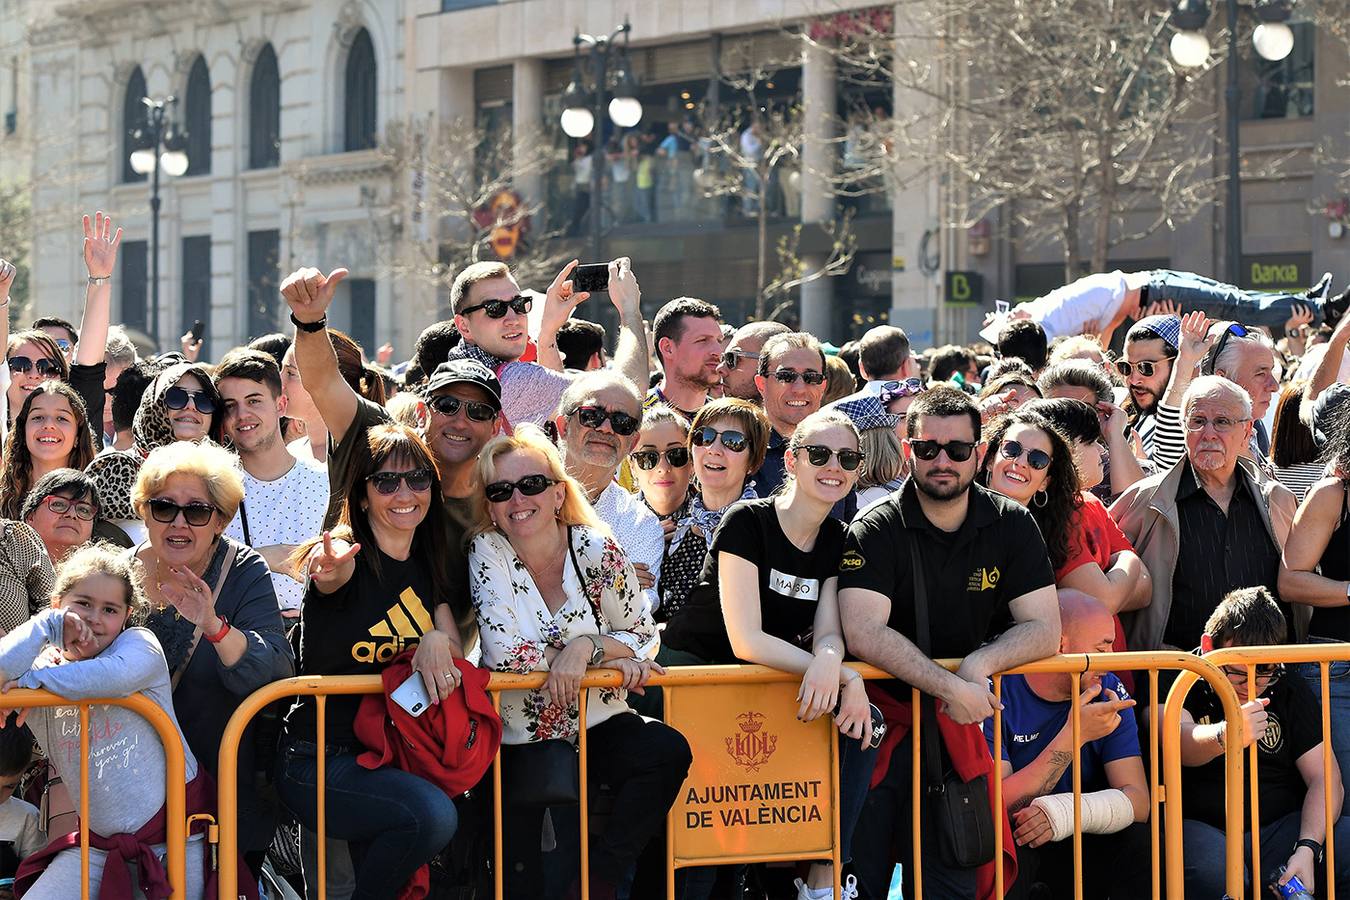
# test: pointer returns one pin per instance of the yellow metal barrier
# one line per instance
(174, 775)
(1192, 667)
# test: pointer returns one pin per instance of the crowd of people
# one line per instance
(519, 501)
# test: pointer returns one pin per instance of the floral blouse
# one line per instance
(515, 625)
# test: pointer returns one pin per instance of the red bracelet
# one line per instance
(219, 635)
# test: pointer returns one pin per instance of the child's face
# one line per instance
(101, 600)
(8, 783)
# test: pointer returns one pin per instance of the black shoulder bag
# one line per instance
(960, 809)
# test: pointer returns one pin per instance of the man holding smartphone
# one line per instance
(491, 314)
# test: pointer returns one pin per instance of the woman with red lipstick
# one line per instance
(50, 432)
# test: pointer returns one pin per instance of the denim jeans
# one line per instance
(1338, 673)
(1203, 847)
(394, 821)
(1224, 301)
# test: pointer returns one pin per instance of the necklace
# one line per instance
(554, 562)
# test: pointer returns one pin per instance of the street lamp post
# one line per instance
(1273, 40)
(161, 148)
(583, 111)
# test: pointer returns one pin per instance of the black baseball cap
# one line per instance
(465, 371)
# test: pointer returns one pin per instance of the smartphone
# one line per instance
(591, 277)
(197, 328)
(412, 695)
(1002, 306)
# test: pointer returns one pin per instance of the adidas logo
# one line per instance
(403, 623)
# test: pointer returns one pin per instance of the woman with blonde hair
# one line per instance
(554, 591)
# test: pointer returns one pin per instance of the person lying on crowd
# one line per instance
(181, 405)
(51, 431)
(213, 610)
(1037, 759)
(555, 592)
(463, 400)
(688, 346)
(380, 582)
(597, 422)
(95, 608)
(1078, 379)
(1282, 716)
(740, 361)
(973, 544)
(285, 496)
(61, 508)
(1210, 520)
(308, 434)
(490, 313)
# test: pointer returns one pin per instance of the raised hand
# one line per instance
(1301, 316)
(326, 560)
(192, 348)
(100, 245)
(1195, 340)
(8, 274)
(624, 291)
(309, 292)
(561, 300)
(384, 354)
(1162, 307)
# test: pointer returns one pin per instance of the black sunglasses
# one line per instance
(818, 456)
(1037, 459)
(496, 309)
(80, 509)
(419, 480)
(22, 365)
(705, 435)
(177, 398)
(790, 376)
(595, 416)
(1236, 329)
(530, 486)
(957, 451)
(732, 358)
(1146, 367)
(162, 509)
(646, 460)
(474, 409)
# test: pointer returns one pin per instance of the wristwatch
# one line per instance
(100, 279)
(598, 654)
(310, 327)
(1318, 850)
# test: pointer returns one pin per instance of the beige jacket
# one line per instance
(1147, 513)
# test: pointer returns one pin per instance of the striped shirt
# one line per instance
(1300, 477)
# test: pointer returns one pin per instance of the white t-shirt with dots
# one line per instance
(288, 510)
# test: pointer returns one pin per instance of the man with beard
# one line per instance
(986, 566)
(597, 422)
(285, 498)
(688, 336)
(1150, 354)
(740, 361)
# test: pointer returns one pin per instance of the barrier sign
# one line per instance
(760, 782)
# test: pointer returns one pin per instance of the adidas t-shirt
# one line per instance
(357, 630)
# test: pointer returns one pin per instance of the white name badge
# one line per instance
(794, 586)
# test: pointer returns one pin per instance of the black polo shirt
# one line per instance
(972, 574)
(1218, 552)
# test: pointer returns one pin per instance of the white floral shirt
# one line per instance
(515, 625)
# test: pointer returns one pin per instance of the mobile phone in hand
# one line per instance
(198, 328)
(591, 277)
(412, 695)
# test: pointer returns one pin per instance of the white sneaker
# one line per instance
(849, 891)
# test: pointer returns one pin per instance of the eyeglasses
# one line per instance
(1037, 459)
(705, 435)
(646, 460)
(476, 410)
(899, 390)
(22, 365)
(1222, 424)
(196, 514)
(529, 486)
(1146, 367)
(1272, 671)
(418, 480)
(732, 358)
(818, 456)
(177, 398)
(595, 416)
(790, 376)
(496, 309)
(78, 508)
(957, 451)
(1236, 329)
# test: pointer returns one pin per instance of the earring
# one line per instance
(557, 513)
(1040, 498)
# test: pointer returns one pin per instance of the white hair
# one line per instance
(1215, 386)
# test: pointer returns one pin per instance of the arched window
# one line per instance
(264, 112)
(198, 119)
(360, 94)
(133, 119)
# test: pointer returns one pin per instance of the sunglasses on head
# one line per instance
(732, 358)
(1235, 329)
(22, 365)
(1037, 459)
(957, 451)
(177, 398)
(496, 309)
(80, 509)
(818, 456)
(790, 376)
(529, 486)
(899, 390)
(1146, 367)
(63, 344)
(677, 457)
(595, 416)
(474, 409)
(705, 435)
(197, 514)
(418, 480)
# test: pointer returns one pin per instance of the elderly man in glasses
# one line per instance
(1208, 525)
